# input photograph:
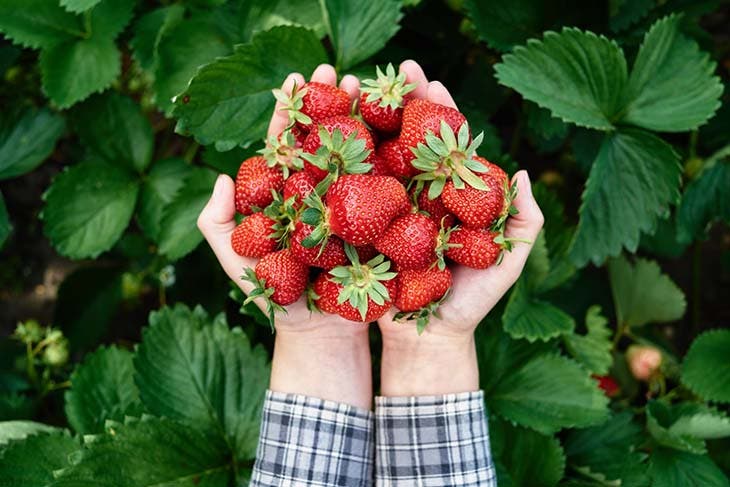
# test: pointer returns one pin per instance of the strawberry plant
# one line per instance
(607, 363)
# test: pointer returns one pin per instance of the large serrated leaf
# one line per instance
(671, 87)
(359, 29)
(642, 294)
(593, 349)
(114, 128)
(32, 461)
(20, 429)
(229, 101)
(548, 393)
(162, 184)
(255, 16)
(78, 6)
(673, 468)
(659, 422)
(706, 368)
(102, 388)
(203, 373)
(149, 30)
(633, 180)
(150, 452)
(531, 318)
(705, 200)
(27, 140)
(577, 75)
(38, 23)
(88, 206)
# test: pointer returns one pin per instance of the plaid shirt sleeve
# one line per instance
(433, 441)
(306, 441)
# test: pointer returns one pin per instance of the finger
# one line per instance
(438, 93)
(351, 85)
(326, 74)
(280, 118)
(414, 74)
(216, 222)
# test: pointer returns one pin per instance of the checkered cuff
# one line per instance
(306, 441)
(433, 441)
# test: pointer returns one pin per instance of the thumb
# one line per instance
(218, 215)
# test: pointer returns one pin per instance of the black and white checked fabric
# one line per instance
(306, 441)
(433, 441)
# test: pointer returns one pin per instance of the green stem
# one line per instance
(190, 152)
(30, 365)
(693, 143)
(87, 25)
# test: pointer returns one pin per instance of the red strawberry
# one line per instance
(314, 102)
(608, 384)
(421, 116)
(380, 166)
(332, 255)
(419, 288)
(477, 208)
(435, 207)
(254, 236)
(298, 185)
(478, 247)
(397, 158)
(382, 99)
(410, 242)
(366, 252)
(254, 183)
(326, 292)
(343, 152)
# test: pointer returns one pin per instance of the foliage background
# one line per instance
(117, 114)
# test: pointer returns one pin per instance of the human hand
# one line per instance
(443, 358)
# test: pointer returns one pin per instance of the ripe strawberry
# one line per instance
(326, 292)
(608, 384)
(477, 208)
(339, 145)
(382, 99)
(419, 288)
(435, 207)
(298, 185)
(478, 250)
(279, 278)
(380, 166)
(366, 252)
(314, 102)
(421, 116)
(410, 242)
(254, 236)
(254, 183)
(332, 255)
(397, 158)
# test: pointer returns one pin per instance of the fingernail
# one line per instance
(218, 188)
(528, 182)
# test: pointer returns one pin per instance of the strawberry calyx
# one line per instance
(282, 151)
(447, 157)
(315, 214)
(338, 155)
(443, 244)
(312, 298)
(510, 193)
(388, 87)
(423, 315)
(261, 291)
(507, 244)
(284, 214)
(293, 104)
(361, 282)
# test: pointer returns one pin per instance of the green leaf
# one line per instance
(18, 430)
(672, 468)
(624, 13)
(548, 393)
(69, 77)
(27, 140)
(88, 206)
(260, 15)
(78, 6)
(577, 75)
(150, 452)
(87, 300)
(230, 161)
(593, 349)
(162, 184)
(504, 24)
(229, 101)
(102, 388)
(671, 87)
(110, 17)
(706, 368)
(633, 180)
(179, 233)
(531, 318)
(558, 234)
(203, 373)
(701, 422)
(5, 226)
(659, 419)
(529, 457)
(37, 23)
(642, 294)
(542, 124)
(149, 30)
(14, 405)
(114, 128)
(705, 200)
(32, 461)
(359, 29)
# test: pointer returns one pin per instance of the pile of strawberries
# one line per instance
(364, 207)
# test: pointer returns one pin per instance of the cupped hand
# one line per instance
(474, 292)
(217, 222)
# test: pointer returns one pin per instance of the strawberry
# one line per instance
(421, 116)
(479, 247)
(380, 166)
(644, 361)
(282, 151)
(279, 278)
(255, 236)
(298, 185)
(420, 294)
(477, 208)
(397, 158)
(410, 242)
(366, 252)
(358, 292)
(382, 99)
(312, 103)
(339, 145)
(332, 254)
(435, 207)
(608, 384)
(254, 183)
